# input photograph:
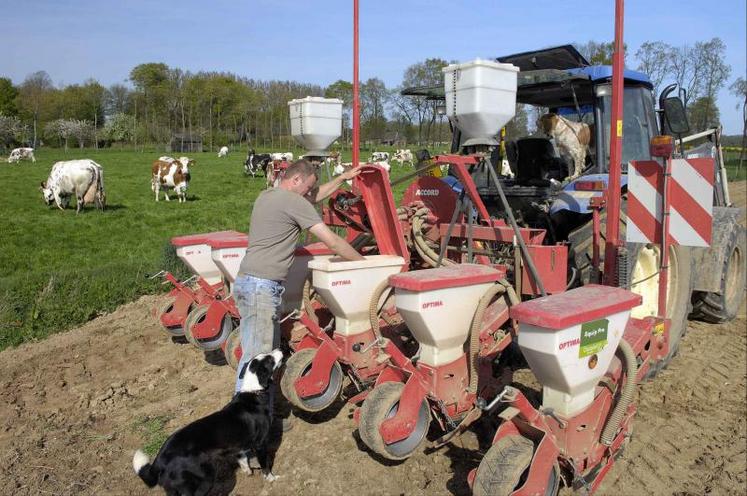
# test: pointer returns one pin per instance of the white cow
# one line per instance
(383, 164)
(223, 152)
(342, 167)
(282, 156)
(379, 157)
(18, 154)
(83, 178)
(403, 156)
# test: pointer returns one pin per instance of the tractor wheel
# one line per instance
(382, 404)
(297, 366)
(166, 308)
(196, 316)
(502, 469)
(723, 306)
(233, 343)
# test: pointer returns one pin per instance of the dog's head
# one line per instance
(256, 375)
(548, 123)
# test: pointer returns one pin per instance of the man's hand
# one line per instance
(334, 242)
(351, 173)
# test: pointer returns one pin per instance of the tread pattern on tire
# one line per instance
(294, 368)
(501, 469)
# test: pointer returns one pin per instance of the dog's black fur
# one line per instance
(201, 458)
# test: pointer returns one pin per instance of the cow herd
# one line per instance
(84, 178)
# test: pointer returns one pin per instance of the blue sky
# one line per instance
(312, 40)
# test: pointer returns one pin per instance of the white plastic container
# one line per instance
(298, 272)
(346, 287)
(196, 254)
(480, 98)
(227, 253)
(315, 123)
(569, 340)
(438, 306)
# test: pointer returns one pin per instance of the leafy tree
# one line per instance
(703, 114)
(654, 61)
(374, 97)
(11, 130)
(8, 94)
(118, 99)
(32, 95)
(739, 89)
(120, 127)
(419, 110)
(599, 53)
(60, 129)
(710, 59)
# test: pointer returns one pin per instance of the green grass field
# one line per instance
(59, 269)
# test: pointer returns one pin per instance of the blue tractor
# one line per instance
(705, 283)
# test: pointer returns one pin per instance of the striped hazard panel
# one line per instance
(691, 200)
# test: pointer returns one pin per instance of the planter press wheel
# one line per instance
(382, 404)
(723, 306)
(166, 307)
(297, 366)
(504, 467)
(198, 315)
(231, 351)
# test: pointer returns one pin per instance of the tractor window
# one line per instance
(639, 124)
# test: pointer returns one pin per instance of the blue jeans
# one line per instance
(258, 301)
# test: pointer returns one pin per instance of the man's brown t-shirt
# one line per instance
(278, 218)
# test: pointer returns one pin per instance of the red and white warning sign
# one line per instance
(691, 201)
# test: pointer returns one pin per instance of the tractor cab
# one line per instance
(560, 80)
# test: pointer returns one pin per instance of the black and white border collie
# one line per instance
(202, 457)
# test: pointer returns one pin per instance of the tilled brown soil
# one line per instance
(72, 410)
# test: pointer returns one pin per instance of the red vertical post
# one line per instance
(356, 102)
(615, 166)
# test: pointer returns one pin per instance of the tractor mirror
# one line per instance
(676, 116)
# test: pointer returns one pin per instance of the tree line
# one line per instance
(224, 108)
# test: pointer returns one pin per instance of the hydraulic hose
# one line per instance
(626, 396)
(373, 308)
(307, 301)
(474, 340)
(425, 251)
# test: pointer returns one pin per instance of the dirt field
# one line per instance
(75, 406)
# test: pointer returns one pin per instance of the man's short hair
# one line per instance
(301, 167)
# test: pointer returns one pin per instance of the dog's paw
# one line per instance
(244, 464)
(270, 477)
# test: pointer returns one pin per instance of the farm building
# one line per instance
(185, 143)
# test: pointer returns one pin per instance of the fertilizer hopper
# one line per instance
(228, 252)
(315, 124)
(195, 252)
(480, 98)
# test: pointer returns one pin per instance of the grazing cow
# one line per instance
(274, 172)
(18, 154)
(83, 178)
(571, 139)
(383, 164)
(282, 156)
(223, 152)
(170, 175)
(379, 157)
(256, 162)
(403, 156)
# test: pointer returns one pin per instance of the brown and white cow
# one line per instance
(170, 175)
(571, 139)
(18, 154)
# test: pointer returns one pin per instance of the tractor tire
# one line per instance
(297, 366)
(232, 343)
(643, 264)
(166, 308)
(381, 404)
(196, 316)
(502, 469)
(723, 306)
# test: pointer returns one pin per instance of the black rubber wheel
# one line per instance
(198, 315)
(297, 366)
(503, 468)
(381, 404)
(166, 308)
(723, 306)
(232, 343)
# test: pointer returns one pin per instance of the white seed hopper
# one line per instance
(196, 254)
(480, 98)
(315, 123)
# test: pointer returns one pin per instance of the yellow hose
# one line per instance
(474, 343)
(373, 307)
(626, 396)
(308, 308)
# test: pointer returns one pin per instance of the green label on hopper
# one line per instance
(593, 337)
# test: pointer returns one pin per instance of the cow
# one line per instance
(256, 162)
(571, 139)
(170, 175)
(379, 157)
(274, 172)
(223, 152)
(185, 161)
(18, 154)
(282, 156)
(403, 156)
(340, 168)
(83, 178)
(383, 164)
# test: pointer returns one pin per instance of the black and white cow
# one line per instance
(256, 162)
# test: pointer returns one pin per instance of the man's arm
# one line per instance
(330, 187)
(334, 242)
